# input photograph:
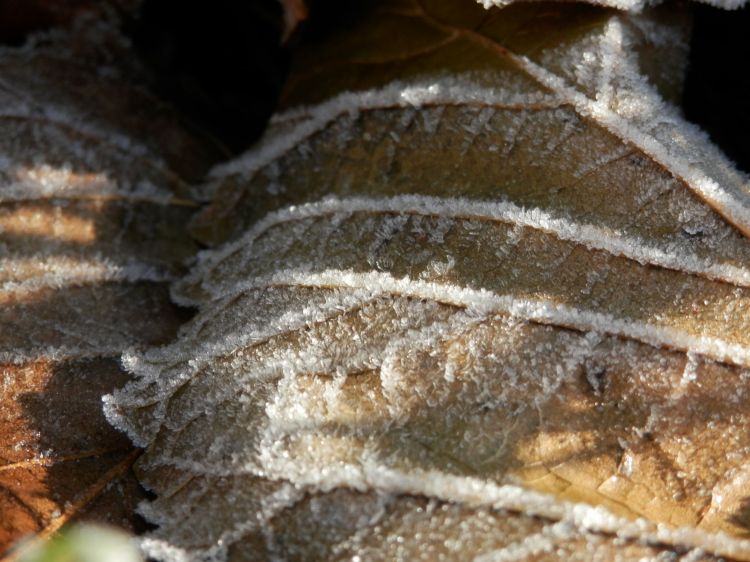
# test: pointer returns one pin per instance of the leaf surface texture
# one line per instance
(480, 292)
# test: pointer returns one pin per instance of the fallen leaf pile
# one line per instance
(479, 293)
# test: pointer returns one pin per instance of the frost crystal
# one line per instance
(496, 314)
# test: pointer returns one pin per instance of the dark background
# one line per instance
(717, 90)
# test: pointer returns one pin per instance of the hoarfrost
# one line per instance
(627, 5)
(511, 323)
(404, 386)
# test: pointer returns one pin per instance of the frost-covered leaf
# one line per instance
(479, 293)
(633, 5)
(94, 196)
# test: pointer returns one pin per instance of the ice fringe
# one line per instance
(717, 192)
(485, 302)
(727, 193)
(60, 273)
(542, 542)
(478, 493)
(628, 5)
(59, 353)
(310, 120)
(591, 236)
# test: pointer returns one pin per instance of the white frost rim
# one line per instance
(590, 236)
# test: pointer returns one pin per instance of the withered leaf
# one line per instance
(479, 293)
(635, 5)
(94, 195)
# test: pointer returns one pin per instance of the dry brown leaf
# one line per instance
(58, 450)
(94, 196)
(482, 294)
